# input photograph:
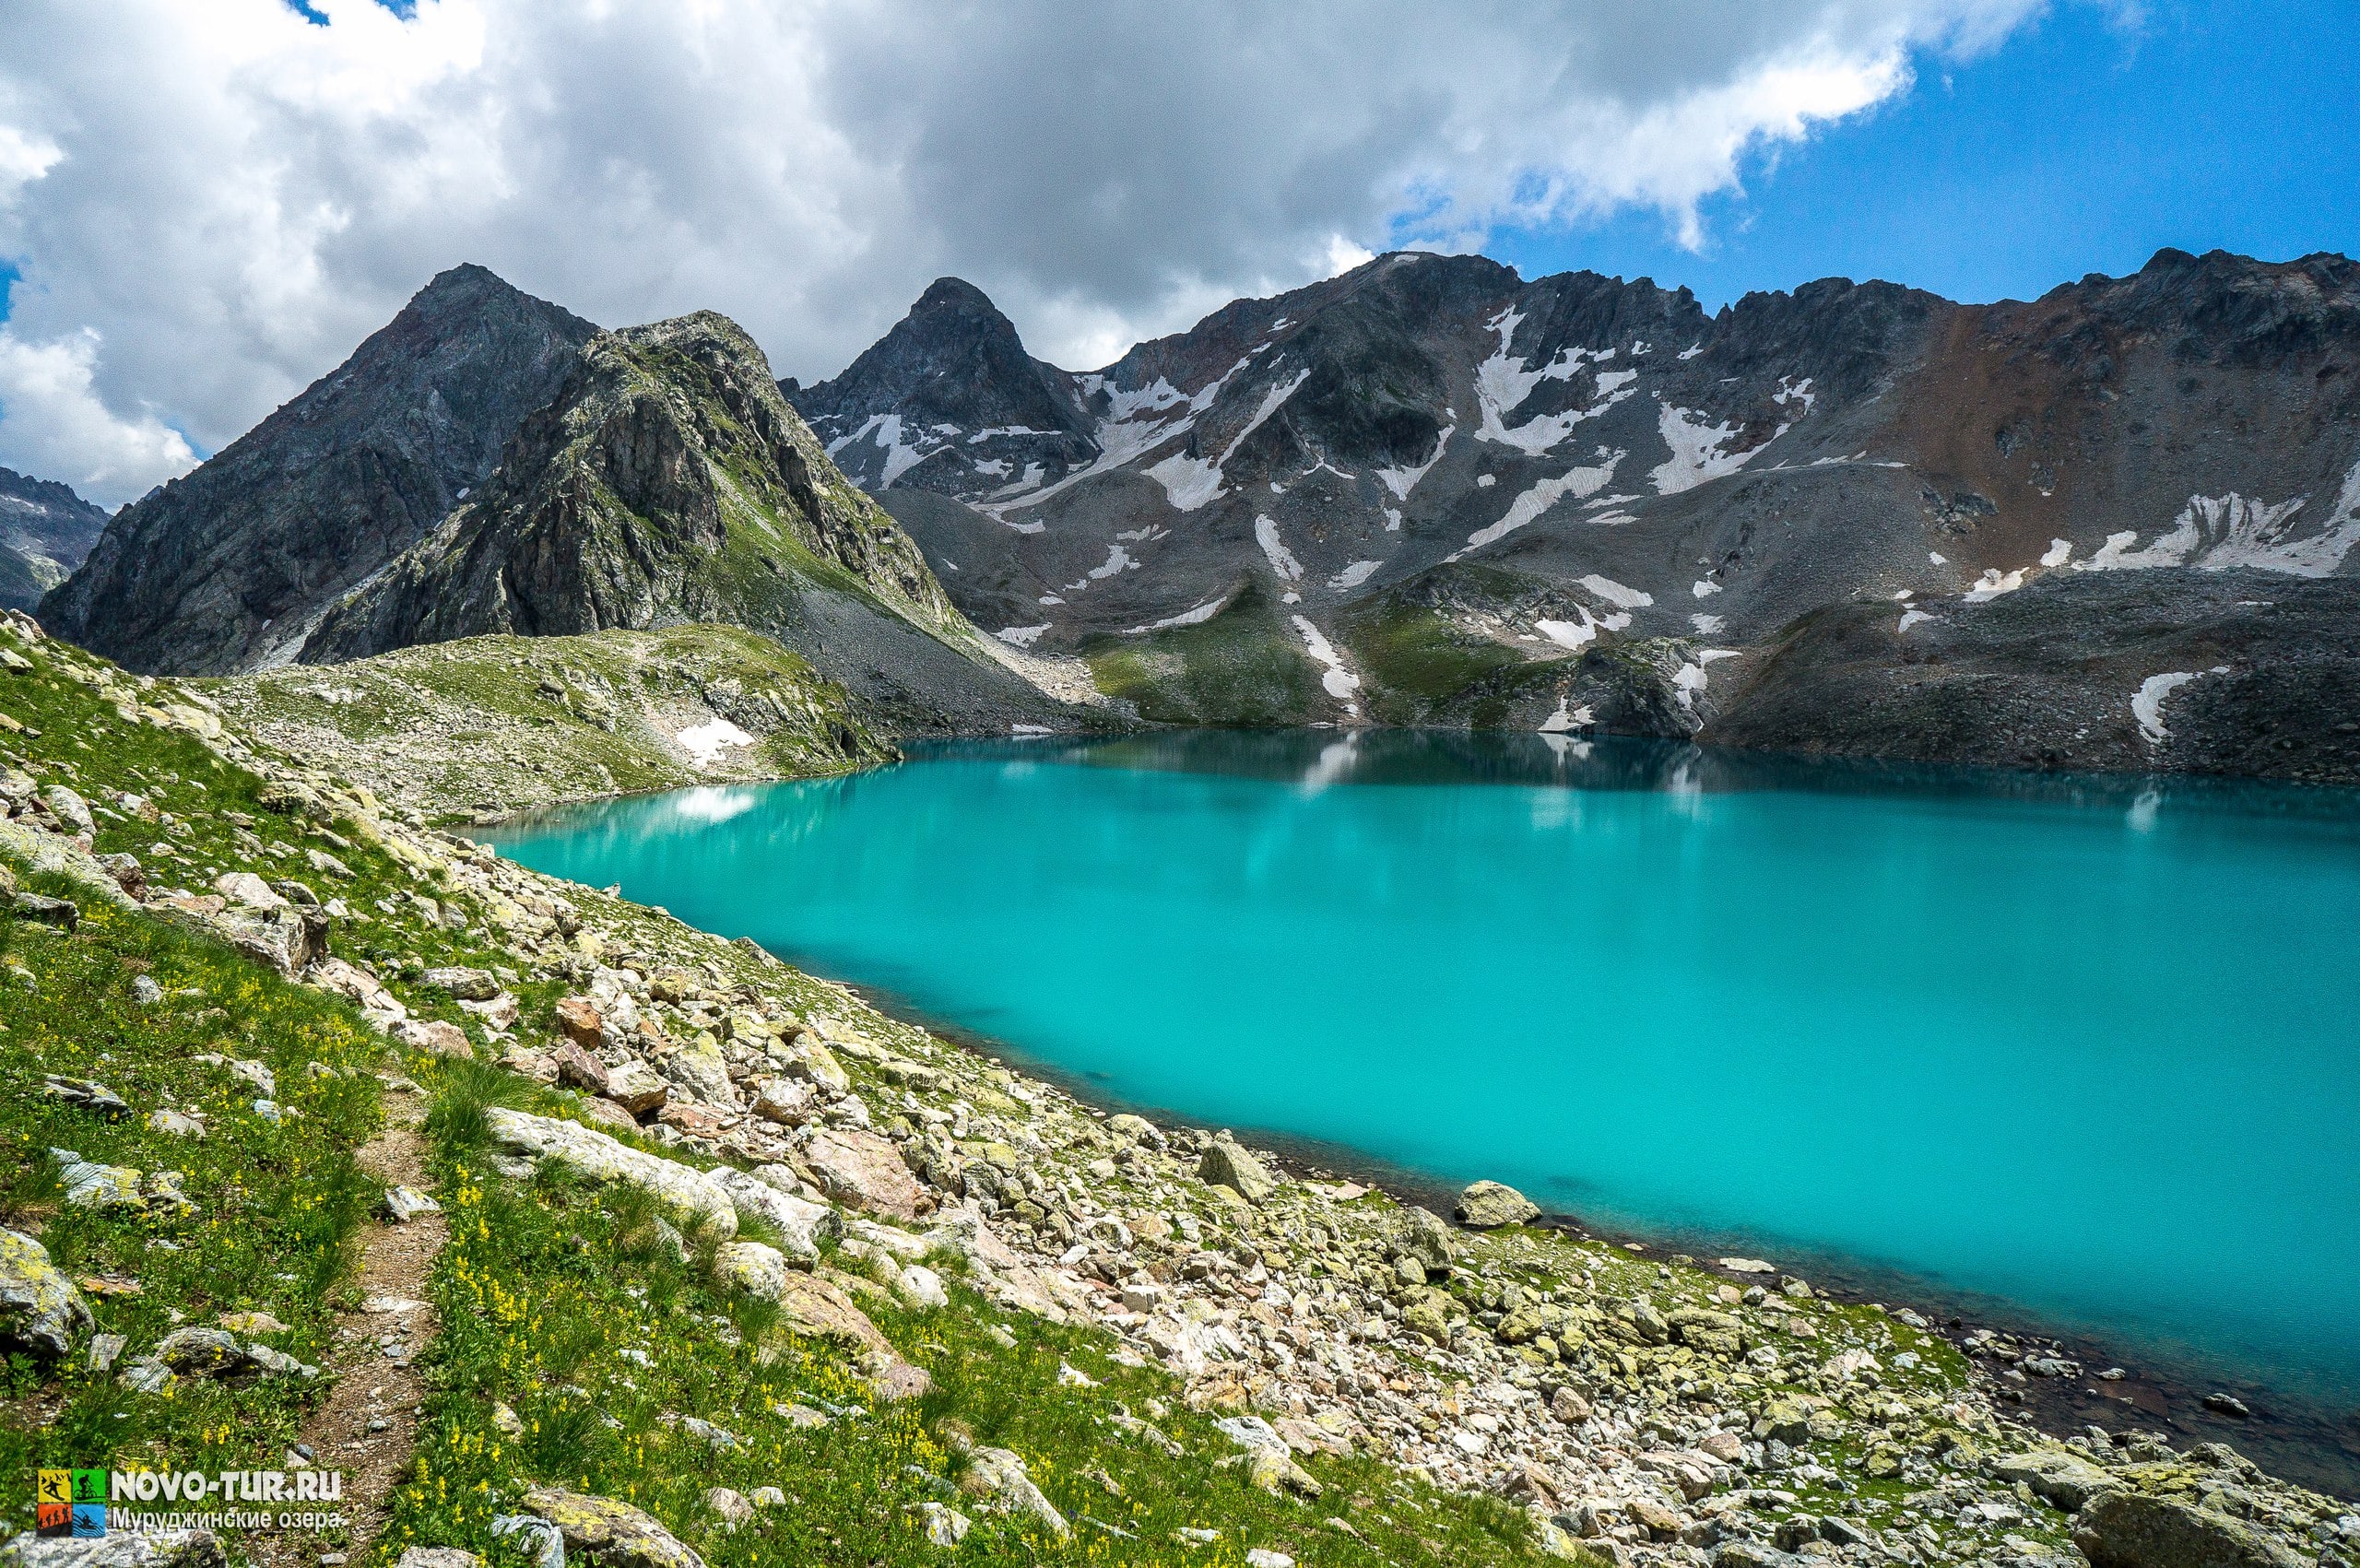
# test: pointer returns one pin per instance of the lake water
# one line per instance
(2089, 1046)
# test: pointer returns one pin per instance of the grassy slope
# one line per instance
(505, 722)
(1244, 667)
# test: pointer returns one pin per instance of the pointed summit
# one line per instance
(948, 400)
(225, 568)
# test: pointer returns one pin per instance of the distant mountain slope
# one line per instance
(225, 568)
(669, 482)
(45, 532)
(1441, 492)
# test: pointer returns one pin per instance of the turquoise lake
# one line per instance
(2090, 1048)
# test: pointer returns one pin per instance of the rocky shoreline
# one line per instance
(1638, 1409)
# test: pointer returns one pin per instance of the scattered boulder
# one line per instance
(1227, 1165)
(577, 1068)
(434, 1037)
(83, 1092)
(39, 1307)
(755, 1267)
(601, 1159)
(1487, 1204)
(92, 1185)
(64, 913)
(998, 1477)
(403, 1204)
(700, 1068)
(122, 1548)
(865, 1171)
(2059, 1476)
(464, 984)
(2130, 1529)
(578, 1020)
(636, 1088)
(69, 809)
(1424, 1239)
(613, 1533)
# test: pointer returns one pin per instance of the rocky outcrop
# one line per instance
(39, 1307)
(668, 482)
(45, 532)
(610, 1532)
(227, 567)
(2129, 1529)
(1486, 1206)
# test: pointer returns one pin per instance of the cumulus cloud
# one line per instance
(57, 428)
(230, 196)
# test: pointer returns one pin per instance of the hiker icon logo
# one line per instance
(70, 1503)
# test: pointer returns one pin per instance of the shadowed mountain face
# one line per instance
(45, 532)
(1428, 491)
(668, 482)
(228, 567)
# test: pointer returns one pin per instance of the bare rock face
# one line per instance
(668, 482)
(225, 568)
(2130, 1529)
(45, 532)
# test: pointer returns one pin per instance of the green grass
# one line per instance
(551, 1292)
(1413, 658)
(279, 1205)
(1243, 667)
(504, 721)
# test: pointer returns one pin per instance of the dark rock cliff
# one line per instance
(227, 567)
(45, 532)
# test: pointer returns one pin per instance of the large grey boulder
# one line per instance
(2130, 1529)
(1227, 1165)
(999, 1478)
(602, 1159)
(801, 1224)
(865, 1171)
(39, 1307)
(615, 1532)
(164, 1548)
(1424, 1239)
(1487, 1204)
(2057, 1475)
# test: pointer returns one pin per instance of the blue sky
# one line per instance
(2080, 146)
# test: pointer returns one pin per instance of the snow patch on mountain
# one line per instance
(1340, 683)
(1402, 480)
(1022, 636)
(1196, 616)
(1615, 593)
(1281, 560)
(1698, 450)
(2220, 533)
(1524, 507)
(1505, 381)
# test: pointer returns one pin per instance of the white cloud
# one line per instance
(232, 197)
(53, 425)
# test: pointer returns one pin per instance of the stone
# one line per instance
(577, 1068)
(64, 913)
(2129, 1529)
(636, 1088)
(86, 1094)
(901, 1380)
(812, 1306)
(1784, 1419)
(1263, 1557)
(865, 1171)
(92, 1185)
(701, 1069)
(1488, 1205)
(614, 1533)
(1226, 1164)
(145, 991)
(731, 1507)
(1716, 1333)
(945, 1527)
(764, 1194)
(69, 809)
(922, 1287)
(753, 1266)
(1422, 1236)
(815, 1062)
(540, 1541)
(175, 1124)
(1138, 1128)
(464, 984)
(998, 1477)
(525, 1062)
(1568, 1406)
(499, 1013)
(403, 1204)
(1658, 1521)
(785, 1101)
(607, 1114)
(433, 1036)
(120, 1548)
(599, 1157)
(579, 1020)
(39, 1307)
(2057, 1476)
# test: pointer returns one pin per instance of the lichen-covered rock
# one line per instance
(1424, 1239)
(1488, 1205)
(865, 1171)
(464, 985)
(755, 1267)
(610, 1532)
(2058, 1475)
(801, 1224)
(1225, 1164)
(601, 1159)
(700, 1068)
(2129, 1529)
(998, 1477)
(434, 1037)
(124, 1549)
(636, 1088)
(814, 1307)
(39, 1307)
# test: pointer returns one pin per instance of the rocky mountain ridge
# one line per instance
(1428, 487)
(46, 531)
(228, 567)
